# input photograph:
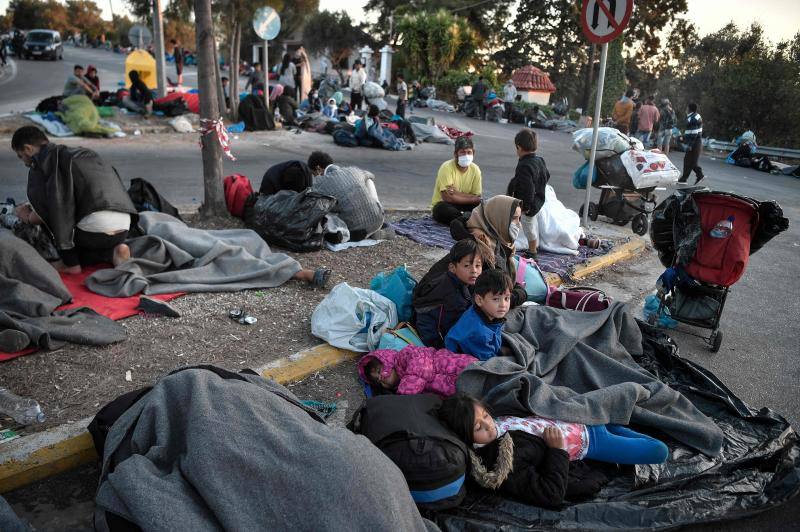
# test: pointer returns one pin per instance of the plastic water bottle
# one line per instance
(723, 229)
(24, 411)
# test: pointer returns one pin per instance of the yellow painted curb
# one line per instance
(42, 455)
(625, 251)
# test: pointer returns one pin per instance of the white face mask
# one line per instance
(464, 160)
(513, 231)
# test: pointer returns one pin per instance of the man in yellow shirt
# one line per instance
(623, 112)
(458, 184)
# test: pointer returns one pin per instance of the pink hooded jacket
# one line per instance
(421, 369)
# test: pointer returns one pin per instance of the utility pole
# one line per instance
(214, 200)
(158, 38)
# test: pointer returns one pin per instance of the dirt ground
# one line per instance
(74, 382)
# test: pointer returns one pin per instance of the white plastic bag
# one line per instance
(610, 141)
(373, 91)
(353, 318)
(559, 227)
(649, 168)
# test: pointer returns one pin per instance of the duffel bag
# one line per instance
(582, 298)
(408, 431)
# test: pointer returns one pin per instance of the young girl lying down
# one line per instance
(534, 459)
(414, 370)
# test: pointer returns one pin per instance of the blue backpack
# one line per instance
(532, 279)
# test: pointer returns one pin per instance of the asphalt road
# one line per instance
(24, 83)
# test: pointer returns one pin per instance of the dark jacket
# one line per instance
(528, 183)
(479, 91)
(67, 184)
(541, 475)
(694, 127)
(276, 178)
(439, 301)
(475, 334)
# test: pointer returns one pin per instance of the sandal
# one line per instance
(321, 276)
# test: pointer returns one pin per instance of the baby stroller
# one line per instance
(704, 264)
(620, 200)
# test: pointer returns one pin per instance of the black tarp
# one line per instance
(758, 469)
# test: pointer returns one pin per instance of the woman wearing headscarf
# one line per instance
(495, 225)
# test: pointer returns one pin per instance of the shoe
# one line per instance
(12, 340)
(699, 178)
(321, 276)
(156, 307)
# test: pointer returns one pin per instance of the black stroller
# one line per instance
(620, 200)
(703, 266)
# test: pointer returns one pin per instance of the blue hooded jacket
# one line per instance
(474, 335)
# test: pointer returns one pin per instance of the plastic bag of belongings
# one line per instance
(610, 141)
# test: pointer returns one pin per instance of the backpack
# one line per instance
(345, 138)
(289, 219)
(237, 189)
(145, 197)
(583, 298)
(432, 458)
(532, 279)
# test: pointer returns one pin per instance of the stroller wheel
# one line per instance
(716, 340)
(639, 224)
(592, 211)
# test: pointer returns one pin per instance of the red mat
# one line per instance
(115, 308)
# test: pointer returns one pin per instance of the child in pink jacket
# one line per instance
(414, 370)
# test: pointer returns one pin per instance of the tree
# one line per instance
(434, 43)
(54, 16)
(26, 14)
(214, 200)
(333, 35)
(615, 82)
(85, 16)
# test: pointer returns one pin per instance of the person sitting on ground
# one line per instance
(414, 370)
(440, 298)
(92, 77)
(478, 332)
(78, 85)
(528, 184)
(140, 99)
(78, 197)
(495, 226)
(286, 104)
(357, 202)
(458, 184)
(536, 117)
(331, 110)
(314, 101)
(288, 175)
(538, 460)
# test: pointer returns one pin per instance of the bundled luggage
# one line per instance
(289, 219)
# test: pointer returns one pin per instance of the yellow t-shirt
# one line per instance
(468, 182)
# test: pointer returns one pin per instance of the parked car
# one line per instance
(43, 43)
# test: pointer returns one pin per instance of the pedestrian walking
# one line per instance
(357, 80)
(648, 117)
(402, 96)
(177, 53)
(693, 138)
(3, 55)
(667, 121)
(623, 111)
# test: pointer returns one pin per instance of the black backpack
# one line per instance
(431, 457)
(145, 197)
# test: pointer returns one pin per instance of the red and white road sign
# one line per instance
(604, 20)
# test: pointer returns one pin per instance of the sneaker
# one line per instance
(699, 178)
(156, 307)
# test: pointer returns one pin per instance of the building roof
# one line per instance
(530, 78)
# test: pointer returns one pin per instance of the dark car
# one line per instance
(43, 43)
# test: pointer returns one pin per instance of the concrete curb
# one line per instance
(66, 447)
(60, 449)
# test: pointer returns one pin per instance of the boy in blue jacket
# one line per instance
(479, 330)
(443, 295)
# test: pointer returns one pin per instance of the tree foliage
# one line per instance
(434, 43)
(615, 82)
(741, 81)
(333, 35)
(85, 16)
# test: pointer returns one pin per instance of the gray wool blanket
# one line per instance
(580, 367)
(202, 453)
(173, 257)
(30, 291)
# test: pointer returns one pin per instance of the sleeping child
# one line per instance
(538, 460)
(414, 370)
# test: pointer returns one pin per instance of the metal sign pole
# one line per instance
(266, 74)
(595, 125)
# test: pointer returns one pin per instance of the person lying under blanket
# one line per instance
(538, 460)
(414, 370)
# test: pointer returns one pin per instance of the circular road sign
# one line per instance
(604, 20)
(140, 36)
(266, 23)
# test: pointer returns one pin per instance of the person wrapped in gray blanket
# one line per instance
(354, 189)
(243, 453)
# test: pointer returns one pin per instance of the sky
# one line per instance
(780, 18)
